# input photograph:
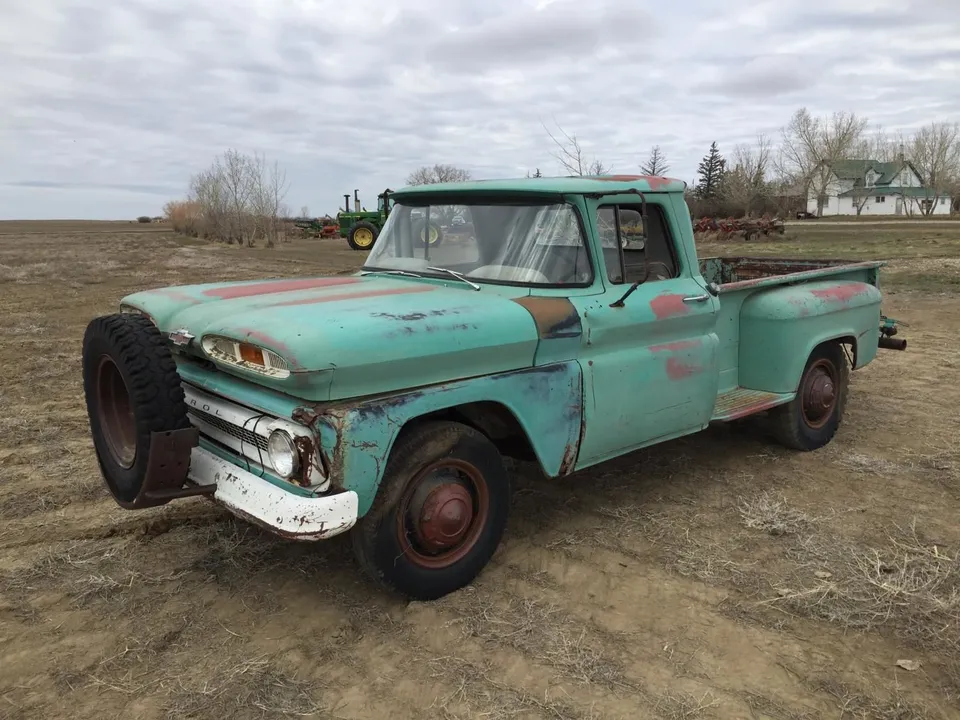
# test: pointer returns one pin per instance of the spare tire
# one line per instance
(135, 404)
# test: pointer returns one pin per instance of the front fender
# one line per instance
(779, 328)
(546, 401)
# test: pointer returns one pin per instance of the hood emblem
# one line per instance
(180, 337)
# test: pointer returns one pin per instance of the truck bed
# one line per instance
(738, 273)
(740, 280)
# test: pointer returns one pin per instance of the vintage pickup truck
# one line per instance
(571, 324)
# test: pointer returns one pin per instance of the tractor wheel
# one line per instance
(439, 514)
(435, 237)
(812, 418)
(362, 236)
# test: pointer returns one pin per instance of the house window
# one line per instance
(826, 202)
(881, 198)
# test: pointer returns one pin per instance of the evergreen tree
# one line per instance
(656, 164)
(711, 172)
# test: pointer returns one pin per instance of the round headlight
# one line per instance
(282, 453)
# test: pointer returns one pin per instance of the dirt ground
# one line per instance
(717, 576)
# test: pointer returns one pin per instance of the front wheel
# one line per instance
(439, 514)
(812, 418)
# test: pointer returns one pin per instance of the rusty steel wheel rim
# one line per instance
(442, 513)
(819, 393)
(117, 421)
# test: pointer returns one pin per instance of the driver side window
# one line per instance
(634, 237)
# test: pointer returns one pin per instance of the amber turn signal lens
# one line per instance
(251, 354)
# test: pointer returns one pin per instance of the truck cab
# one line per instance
(572, 322)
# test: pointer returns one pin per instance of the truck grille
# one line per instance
(244, 435)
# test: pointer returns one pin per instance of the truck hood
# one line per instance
(355, 335)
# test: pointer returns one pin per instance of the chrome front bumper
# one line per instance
(263, 503)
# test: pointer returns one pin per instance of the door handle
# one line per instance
(696, 298)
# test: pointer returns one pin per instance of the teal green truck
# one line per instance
(571, 322)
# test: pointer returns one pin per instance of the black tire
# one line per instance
(364, 226)
(132, 390)
(394, 552)
(420, 237)
(806, 423)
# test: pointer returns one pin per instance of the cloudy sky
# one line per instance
(109, 106)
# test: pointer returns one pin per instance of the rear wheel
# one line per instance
(362, 236)
(439, 514)
(812, 418)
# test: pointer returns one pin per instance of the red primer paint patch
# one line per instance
(678, 370)
(678, 346)
(656, 182)
(276, 286)
(665, 306)
(354, 296)
(841, 293)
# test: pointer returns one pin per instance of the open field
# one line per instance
(717, 576)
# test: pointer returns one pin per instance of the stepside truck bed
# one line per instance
(773, 311)
(738, 273)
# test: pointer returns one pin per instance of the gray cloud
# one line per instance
(110, 107)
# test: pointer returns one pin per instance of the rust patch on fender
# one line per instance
(276, 286)
(666, 306)
(555, 317)
(841, 293)
(353, 296)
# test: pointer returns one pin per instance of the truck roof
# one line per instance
(576, 184)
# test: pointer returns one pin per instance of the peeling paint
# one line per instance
(679, 370)
(276, 286)
(355, 295)
(841, 293)
(669, 305)
(555, 317)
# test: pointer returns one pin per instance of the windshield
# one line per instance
(526, 244)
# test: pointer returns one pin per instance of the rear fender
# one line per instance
(780, 327)
(546, 401)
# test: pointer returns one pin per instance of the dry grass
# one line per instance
(709, 577)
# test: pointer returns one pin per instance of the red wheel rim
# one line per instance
(818, 394)
(117, 421)
(442, 513)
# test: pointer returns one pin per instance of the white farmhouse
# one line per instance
(870, 187)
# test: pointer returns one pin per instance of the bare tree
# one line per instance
(571, 156)
(304, 211)
(237, 199)
(746, 185)
(811, 145)
(656, 164)
(935, 152)
(437, 174)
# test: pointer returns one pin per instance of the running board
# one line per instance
(738, 403)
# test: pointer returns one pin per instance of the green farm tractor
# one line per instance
(361, 227)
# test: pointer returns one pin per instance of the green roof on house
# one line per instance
(857, 170)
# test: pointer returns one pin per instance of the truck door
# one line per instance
(650, 365)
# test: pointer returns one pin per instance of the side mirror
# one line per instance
(713, 288)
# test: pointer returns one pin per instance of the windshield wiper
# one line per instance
(391, 272)
(457, 275)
